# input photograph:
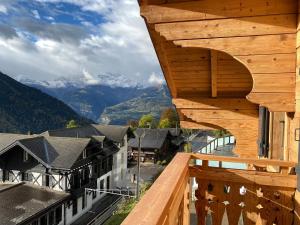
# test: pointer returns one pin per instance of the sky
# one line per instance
(50, 39)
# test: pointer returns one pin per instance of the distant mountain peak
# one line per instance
(86, 79)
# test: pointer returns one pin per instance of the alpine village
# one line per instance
(215, 142)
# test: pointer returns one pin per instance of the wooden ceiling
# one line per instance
(222, 59)
(258, 34)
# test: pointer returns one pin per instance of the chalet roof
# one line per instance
(173, 131)
(7, 139)
(77, 132)
(21, 202)
(112, 132)
(66, 150)
(99, 138)
(55, 152)
(153, 138)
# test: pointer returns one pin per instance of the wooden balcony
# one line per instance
(260, 193)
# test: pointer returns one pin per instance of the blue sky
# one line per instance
(49, 39)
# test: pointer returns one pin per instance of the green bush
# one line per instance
(125, 207)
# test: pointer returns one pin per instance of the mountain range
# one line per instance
(24, 109)
(108, 98)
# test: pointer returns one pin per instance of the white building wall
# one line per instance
(89, 201)
(120, 165)
(38, 177)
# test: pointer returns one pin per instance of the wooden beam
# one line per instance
(199, 126)
(219, 103)
(249, 26)
(263, 162)
(213, 72)
(246, 177)
(280, 43)
(213, 9)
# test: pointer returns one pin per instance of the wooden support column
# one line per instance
(213, 69)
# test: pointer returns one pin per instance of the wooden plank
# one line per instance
(209, 103)
(279, 82)
(214, 9)
(200, 126)
(276, 63)
(186, 205)
(283, 102)
(281, 43)
(161, 194)
(213, 69)
(246, 177)
(221, 114)
(247, 26)
(262, 162)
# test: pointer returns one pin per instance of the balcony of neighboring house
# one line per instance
(251, 195)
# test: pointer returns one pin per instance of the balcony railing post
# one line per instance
(186, 205)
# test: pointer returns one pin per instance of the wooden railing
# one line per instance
(215, 143)
(167, 202)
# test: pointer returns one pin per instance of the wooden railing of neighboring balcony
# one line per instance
(167, 202)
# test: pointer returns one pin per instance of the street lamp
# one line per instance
(139, 163)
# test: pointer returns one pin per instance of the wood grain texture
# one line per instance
(161, 12)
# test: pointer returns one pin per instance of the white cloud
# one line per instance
(3, 9)
(89, 79)
(155, 79)
(36, 14)
(121, 45)
(50, 18)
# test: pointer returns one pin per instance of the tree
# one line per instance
(165, 123)
(133, 123)
(169, 114)
(72, 124)
(146, 121)
(220, 133)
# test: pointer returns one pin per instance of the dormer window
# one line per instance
(84, 154)
(25, 156)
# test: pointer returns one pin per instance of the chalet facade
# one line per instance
(54, 169)
(230, 65)
(155, 143)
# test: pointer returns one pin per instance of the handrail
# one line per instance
(164, 203)
(154, 207)
(215, 143)
(263, 162)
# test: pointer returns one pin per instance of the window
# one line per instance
(83, 201)
(101, 185)
(25, 156)
(46, 180)
(94, 194)
(108, 183)
(103, 164)
(95, 168)
(27, 177)
(35, 222)
(58, 213)
(74, 211)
